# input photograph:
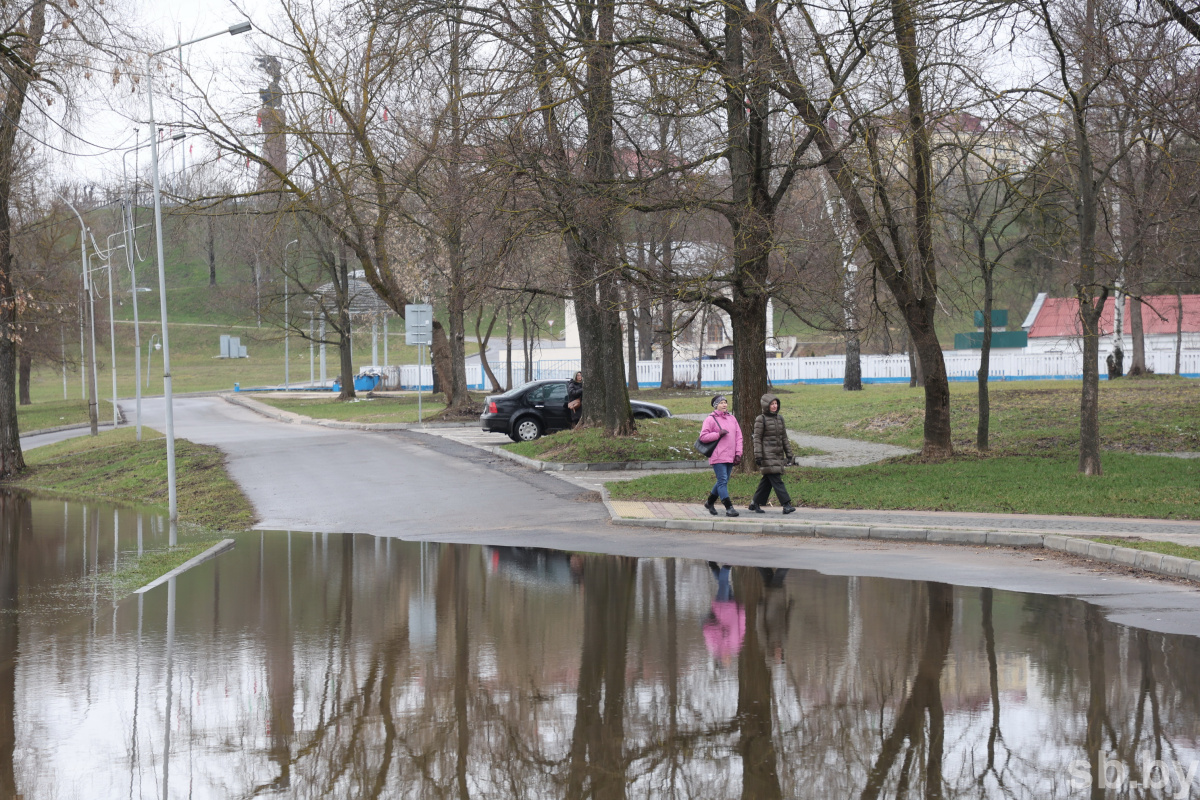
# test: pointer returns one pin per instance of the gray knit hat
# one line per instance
(718, 399)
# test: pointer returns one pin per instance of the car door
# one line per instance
(554, 400)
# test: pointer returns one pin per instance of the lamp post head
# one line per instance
(241, 27)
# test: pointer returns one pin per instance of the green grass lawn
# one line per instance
(56, 413)
(114, 466)
(1027, 417)
(382, 408)
(1132, 486)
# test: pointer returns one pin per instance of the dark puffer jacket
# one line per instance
(772, 450)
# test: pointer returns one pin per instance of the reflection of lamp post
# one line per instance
(286, 319)
(172, 505)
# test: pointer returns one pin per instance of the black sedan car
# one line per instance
(538, 407)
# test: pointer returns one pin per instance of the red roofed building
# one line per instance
(1053, 325)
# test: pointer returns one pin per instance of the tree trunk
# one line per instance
(985, 354)
(592, 251)
(1178, 330)
(457, 396)
(508, 372)
(345, 355)
(852, 376)
(483, 340)
(645, 328)
(212, 254)
(1138, 334)
(25, 367)
(917, 298)
(631, 344)
(667, 379)
(11, 458)
(749, 366)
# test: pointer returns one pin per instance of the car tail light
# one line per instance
(492, 407)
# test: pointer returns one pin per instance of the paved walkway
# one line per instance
(835, 452)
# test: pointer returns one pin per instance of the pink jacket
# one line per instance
(729, 449)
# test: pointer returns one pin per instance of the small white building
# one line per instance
(1053, 325)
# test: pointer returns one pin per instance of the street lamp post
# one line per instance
(172, 503)
(286, 319)
(93, 417)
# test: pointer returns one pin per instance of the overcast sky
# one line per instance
(94, 157)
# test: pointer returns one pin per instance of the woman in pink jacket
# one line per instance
(722, 427)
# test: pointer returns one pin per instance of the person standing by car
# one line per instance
(772, 452)
(722, 427)
(575, 398)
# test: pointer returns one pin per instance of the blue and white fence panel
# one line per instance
(960, 366)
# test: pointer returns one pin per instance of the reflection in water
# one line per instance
(313, 665)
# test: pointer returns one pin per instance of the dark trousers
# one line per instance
(772, 480)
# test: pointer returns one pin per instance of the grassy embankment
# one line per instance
(115, 467)
(370, 408)
(1031, 468)
(59, 413)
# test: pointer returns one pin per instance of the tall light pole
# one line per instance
(127, 221)
(93, 417)
(286, 319)
(172, 500)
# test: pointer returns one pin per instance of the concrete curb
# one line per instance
(212, 552)
(596, 466)
(1157, 563)
(299, 419)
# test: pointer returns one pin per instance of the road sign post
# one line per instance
(418, 330)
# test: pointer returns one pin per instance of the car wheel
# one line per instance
(526, 430)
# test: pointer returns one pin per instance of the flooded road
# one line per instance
(333, 665)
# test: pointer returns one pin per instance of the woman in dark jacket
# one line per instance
(772, 452)
(575, 392)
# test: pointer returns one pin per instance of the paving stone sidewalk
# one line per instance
(836, 452)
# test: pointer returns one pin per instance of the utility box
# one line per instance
(232, 347)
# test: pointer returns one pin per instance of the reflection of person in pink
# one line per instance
(725, 626)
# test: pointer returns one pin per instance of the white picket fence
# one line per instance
(961, 365)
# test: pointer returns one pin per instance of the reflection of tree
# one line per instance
(924, 700)
(994, 734)
(760, 774)
(597, 758)
(1097, 709)
(14, 517)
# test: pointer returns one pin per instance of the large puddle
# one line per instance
(313, 665)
